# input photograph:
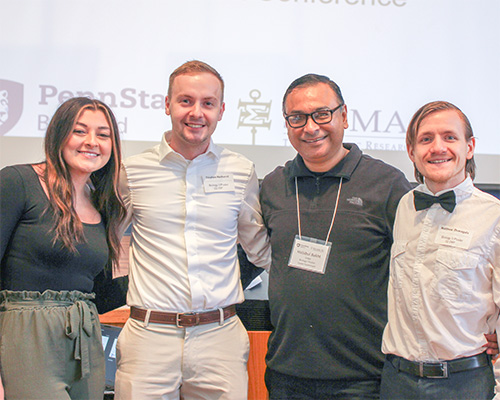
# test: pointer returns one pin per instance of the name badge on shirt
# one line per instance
(456, 237)
(218, 183)
(309, 254)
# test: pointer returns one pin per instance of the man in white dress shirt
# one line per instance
(190, 202)
(444, 287)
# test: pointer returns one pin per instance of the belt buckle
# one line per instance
(178, 317)
(444, 370)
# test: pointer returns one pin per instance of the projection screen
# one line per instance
(388, 56)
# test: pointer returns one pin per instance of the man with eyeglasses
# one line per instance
(329, 213)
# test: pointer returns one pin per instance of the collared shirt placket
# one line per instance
(195, 269)
(419, 269)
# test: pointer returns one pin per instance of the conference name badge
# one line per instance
(309, 254)
(218, 183)
(454, 237)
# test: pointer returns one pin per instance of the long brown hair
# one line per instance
(105, 197)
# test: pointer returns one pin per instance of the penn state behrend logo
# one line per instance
(11, 104)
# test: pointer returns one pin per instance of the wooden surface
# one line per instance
(116, 317)
(257, 365)
(256, 359)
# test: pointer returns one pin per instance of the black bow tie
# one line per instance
(423, 201)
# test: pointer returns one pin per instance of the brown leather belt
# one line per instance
(184, 320)
(438, 369)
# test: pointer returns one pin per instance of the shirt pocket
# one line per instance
(398, 252)
(455, 275)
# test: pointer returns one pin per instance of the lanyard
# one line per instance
(334, 211)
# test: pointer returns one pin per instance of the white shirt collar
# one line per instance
(165, 150)
(465, 186)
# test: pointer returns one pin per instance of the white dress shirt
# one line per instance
(444, 286)
(187, 216)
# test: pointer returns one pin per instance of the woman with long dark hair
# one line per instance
(58, 231)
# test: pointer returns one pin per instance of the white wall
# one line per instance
(388, 56)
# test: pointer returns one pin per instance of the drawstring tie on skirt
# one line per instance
(79, 328)
(78, 324)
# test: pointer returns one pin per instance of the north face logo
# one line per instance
(11, 104)
(355, 201)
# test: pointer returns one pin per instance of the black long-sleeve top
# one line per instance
(29, 260)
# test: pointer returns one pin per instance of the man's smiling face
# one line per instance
(195, 107)
(319, 145)
(441, 150)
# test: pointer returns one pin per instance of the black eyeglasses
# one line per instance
(320, 117)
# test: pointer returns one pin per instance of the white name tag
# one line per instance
(454, 237)
(309, 254)
(218, 183)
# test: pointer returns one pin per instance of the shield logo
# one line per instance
(11, 104)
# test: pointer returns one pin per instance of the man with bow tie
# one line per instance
(444, 286)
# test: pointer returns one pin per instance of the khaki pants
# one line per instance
(158, 361)
(50, 346)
